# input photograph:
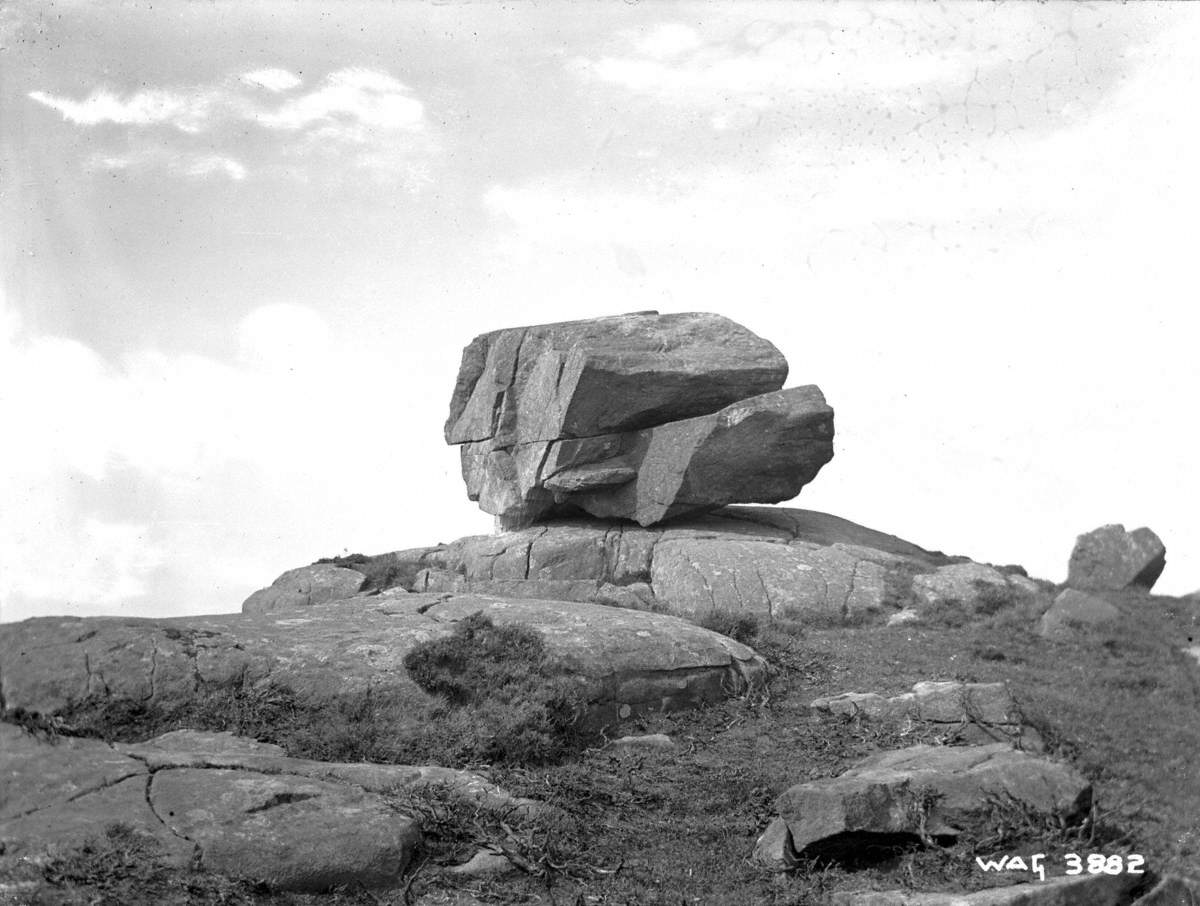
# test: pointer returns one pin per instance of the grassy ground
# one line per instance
(677, 827)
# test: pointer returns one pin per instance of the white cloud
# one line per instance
(168, 483)
(186, 111)
(668, 40)
(365, 118)
(351, 99)
(276, 80)
(178, 163)
(282, 336)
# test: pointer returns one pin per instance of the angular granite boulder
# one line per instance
(1111, 559)
(642, 417)
(921, 792)
(605, 376)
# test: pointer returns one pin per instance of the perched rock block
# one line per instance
(1112, 559)
(925, 792)
(642, 417)
(760, 450)
(605, 376)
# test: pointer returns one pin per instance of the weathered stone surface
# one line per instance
(290, 831)
(966, 581)
(1084, 890)
(1076, 608)
(304, 587)
(643, 417)
(238, 806)
(605, 376)
(1172, 890)
(766, 561)
(972, 713)
(926, 791)
(1111, 559)
(947, 702)
(626, 661)
(759, 450)
(774, 849)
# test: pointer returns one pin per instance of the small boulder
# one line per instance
(925, 792)
(1112, 559)
(1075, 608)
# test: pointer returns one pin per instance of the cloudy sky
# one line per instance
(243, 245)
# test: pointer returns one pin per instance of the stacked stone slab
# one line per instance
(641, 416)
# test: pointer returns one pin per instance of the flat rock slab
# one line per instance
(626, 662)
(976, 712)
(949, 701)
(234, 806)
(926, 791)
(1085, 890)
(1111, 559)
(769, 562)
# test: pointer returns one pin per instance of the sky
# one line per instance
(243, 244)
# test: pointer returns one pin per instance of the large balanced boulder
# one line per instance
(231, 805)
(642, 417)
(623, 661)
(922, 792)
(1111, 559)
(767, 562)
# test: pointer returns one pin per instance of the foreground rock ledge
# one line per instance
(922, 792)
(626, 662)
(238, 807)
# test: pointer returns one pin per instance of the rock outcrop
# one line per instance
(304, 587)
(1111, 559)
(232, 805)
(625, 662)
(769, 562)
(922, 792)
(642, 417)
